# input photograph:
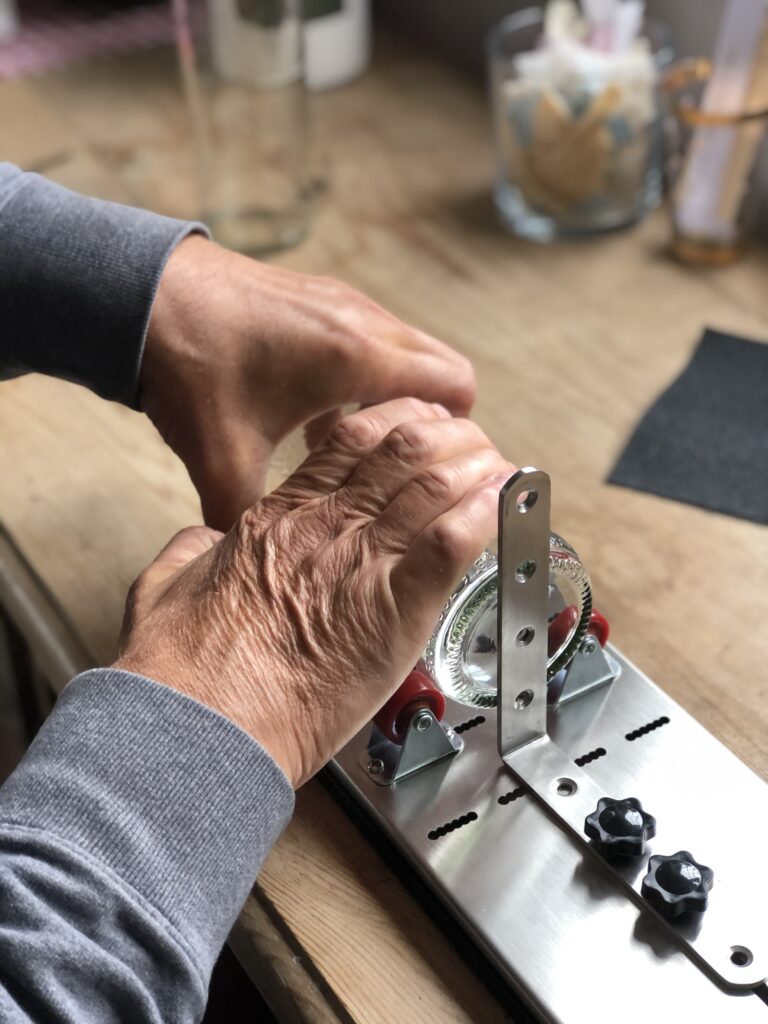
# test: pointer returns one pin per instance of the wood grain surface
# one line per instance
(571, 343)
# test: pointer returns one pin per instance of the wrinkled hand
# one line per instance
(240, 353)
(301, 621)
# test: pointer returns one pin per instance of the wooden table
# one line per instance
(571, 343)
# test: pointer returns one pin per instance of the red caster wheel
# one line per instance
(560, 628)
(599, 628)
(416, 691)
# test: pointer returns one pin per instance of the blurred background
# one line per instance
(98, 80)
(457, 31)
(568, 195)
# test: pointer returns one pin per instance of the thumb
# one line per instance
(179, 552)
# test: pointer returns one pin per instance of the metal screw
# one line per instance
(422, 721)
(375, 766)
(588, 645)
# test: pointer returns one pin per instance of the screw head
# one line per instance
(588, 645)
(375, 766)
(422, 721)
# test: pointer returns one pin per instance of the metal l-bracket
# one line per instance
(567, 791)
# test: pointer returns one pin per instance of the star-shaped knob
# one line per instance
(674, 885)
(620, 827)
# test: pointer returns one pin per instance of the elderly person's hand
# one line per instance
(301, 621)
(240, 353)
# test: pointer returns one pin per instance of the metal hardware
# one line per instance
(539, 901)
(422, 721)
(425, 743)
(521, 676)
(550, 774)
(548, 915)
(590, 668)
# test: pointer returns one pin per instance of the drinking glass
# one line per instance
(242, 70)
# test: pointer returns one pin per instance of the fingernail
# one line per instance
(441, 411)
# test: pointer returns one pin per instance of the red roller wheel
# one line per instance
(599, 628)
(560, 628)
(416, 691)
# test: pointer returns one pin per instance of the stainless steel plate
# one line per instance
(546, 912)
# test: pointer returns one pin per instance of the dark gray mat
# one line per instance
(705, 440)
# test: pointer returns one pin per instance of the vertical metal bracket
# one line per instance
(522, 620)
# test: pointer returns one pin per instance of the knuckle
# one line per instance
(350, 298)
(408, 443)
(436, 484)
(349, 347)
(473, 434)
(353, 434)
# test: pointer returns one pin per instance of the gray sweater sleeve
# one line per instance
(130, 835)
(136, 823)
(77, 281)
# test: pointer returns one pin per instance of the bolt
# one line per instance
(375, 766)
(422, 721)
(588, 645)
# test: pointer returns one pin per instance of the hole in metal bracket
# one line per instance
(741, 956)
(590, 757)
(525, 570)
(645, 729)
(451, 826)
(566, 787)
(526, 500)
(524, 637)
(523, 699)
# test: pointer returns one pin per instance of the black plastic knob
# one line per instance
(677, 884)
(620, 827)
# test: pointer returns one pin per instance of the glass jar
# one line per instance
(242, 70)
(461, 655)
(578, 137)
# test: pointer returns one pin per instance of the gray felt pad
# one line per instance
(705, 440)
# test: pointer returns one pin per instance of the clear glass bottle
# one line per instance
(242, 70)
